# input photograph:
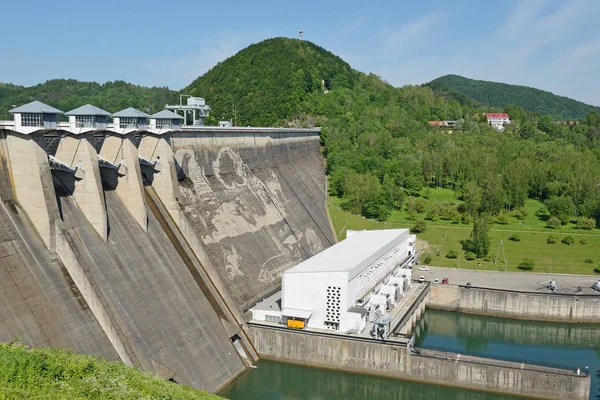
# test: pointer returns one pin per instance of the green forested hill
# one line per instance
(67, 94)
(268, 82)
(380, 151)
(496, 94)
(278, 80)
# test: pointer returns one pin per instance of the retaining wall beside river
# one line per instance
(516, 305)
(393, 360)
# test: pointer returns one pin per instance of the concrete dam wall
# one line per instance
(39, 302)
(148, 248)
(258, 202)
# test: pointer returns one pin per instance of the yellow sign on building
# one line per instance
(295, 323)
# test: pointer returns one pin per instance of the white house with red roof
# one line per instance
(498, 120)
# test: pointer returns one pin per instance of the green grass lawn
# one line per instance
(443, 236)
(532, 222)
(59, 374)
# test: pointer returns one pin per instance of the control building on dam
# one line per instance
(143, 239)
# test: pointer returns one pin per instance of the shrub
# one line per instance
(420, 205)
(502, 218)
(457, 218)
(520, 213)
(433, 214)
(426, 260)
(552, 239)
(488, 258)
(586, 223)
(452, 254)
(412, 215)
(526, 265)
(553, 223)
(419, 227)
(597, 270)
(514, 237)
(589, 261)
(470, 256)
(568, 240)
(583, 241)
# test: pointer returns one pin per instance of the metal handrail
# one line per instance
(536, 293)
(412, 307)
(493, 357)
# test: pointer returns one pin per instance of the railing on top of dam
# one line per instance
(274, 326)
(530, 292)
(486, 359)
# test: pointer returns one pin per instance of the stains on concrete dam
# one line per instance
(152, 254)
(258, 210)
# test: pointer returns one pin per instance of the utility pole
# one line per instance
(459, 260)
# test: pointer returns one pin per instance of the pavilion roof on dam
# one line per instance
(88, 109)
(35, 107)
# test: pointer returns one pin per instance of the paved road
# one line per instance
(526, 282)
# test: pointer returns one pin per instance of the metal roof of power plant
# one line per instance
(354, 254)
(166, 114)
(88, 109)
(130, 113)
(35, 107)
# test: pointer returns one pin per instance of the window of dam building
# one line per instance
(281, 381)
(572, 345)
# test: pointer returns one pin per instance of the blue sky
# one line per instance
(552, 45)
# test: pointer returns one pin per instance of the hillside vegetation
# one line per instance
(67, 94)
(499, 95)
(59, 374)
(381, 153)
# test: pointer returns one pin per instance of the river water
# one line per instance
(571, 345)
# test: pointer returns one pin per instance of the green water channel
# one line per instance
(569, 345)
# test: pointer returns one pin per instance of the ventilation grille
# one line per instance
(332, 314)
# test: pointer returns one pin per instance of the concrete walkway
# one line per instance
(519, 281)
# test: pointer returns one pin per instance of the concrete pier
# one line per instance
(78, 152)
(32, 184)
(129, 187)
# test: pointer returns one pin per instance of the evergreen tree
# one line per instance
(480, 240)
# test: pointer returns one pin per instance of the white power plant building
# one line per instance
(335, 289)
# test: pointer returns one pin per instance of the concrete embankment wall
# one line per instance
(517, 305)
(39, 302)
(257, 201)
(394, 361)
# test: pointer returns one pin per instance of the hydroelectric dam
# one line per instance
(148, 241)
(148, 244)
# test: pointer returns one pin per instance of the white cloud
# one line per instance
(408, 33)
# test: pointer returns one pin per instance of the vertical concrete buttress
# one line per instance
(77, 150)
(154, 148)
(33, 185)
(130, 189)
